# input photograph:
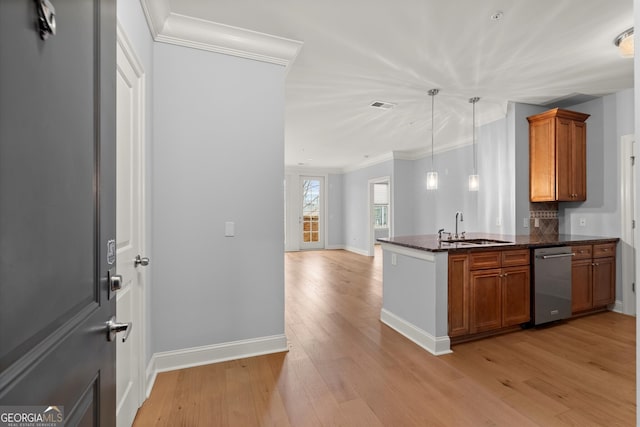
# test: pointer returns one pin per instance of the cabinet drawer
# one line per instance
(479, 260)
(582, 252)
(516, 257)
(604, 250)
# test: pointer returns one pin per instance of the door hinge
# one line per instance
(633, 223)
(633, 160)
(633, 287)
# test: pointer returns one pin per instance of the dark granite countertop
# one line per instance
(430, 243)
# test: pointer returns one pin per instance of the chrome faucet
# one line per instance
(461, 220)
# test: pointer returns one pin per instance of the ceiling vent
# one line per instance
(383, 105)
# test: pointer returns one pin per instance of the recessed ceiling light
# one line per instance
(383, 105)
(497, 16)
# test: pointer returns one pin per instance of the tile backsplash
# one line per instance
(545, 216)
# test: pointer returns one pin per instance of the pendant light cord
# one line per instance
(432, 93)
(432, 104)
(475, 157)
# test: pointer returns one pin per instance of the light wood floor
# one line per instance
(345, 368)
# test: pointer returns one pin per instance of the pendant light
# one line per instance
(432, 176)
(474, 179)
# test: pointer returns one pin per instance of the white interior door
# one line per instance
(312, 212)
(129, 232)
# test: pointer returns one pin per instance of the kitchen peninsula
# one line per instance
(428, 292)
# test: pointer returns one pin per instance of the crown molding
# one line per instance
(181, 30)
(156, 12)
(302, 170)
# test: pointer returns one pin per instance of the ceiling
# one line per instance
(359, 51)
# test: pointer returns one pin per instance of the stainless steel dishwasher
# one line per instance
(552, 284)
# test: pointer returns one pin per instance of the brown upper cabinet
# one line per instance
(558, 156)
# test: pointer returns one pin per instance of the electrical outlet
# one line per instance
(394, 259)
(525, 223)
(583, 222)
(536, 222)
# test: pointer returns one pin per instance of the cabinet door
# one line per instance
(485, 300)
(458, 295)
(542, 169)
(516, 305)
(578, 161)
(564, 172)
(604, 281)
(581, 285)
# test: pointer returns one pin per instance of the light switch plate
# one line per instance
(229, 229)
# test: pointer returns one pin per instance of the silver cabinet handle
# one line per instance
(556, 256)
(114, 327)
(143, 261)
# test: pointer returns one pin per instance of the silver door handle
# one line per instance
(140, 261)
(556, 256)
(114, 327)
(115, 282)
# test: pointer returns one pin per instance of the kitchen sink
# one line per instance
(476, 242)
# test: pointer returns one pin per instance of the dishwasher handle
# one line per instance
(556, 255)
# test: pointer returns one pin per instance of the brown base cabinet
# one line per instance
(593, 277)
(488, 291)
(499, 298)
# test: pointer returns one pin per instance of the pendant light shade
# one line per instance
(474, 182)
(432, 176)
(432, 180)
(474, 179)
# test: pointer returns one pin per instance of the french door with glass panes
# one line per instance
(312, 213)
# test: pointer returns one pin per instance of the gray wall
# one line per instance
(403, 199)
(436, 209)
(132, 21)
(355, 202)
(209, 168)
(519, 114)
(335, 211)
(496, 166)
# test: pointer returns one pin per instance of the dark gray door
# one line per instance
(57, 208)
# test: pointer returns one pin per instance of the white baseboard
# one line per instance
(151, 376)
(357, 250)
(197, 356)
(434, 345)
(334, 247)
(617, 307)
